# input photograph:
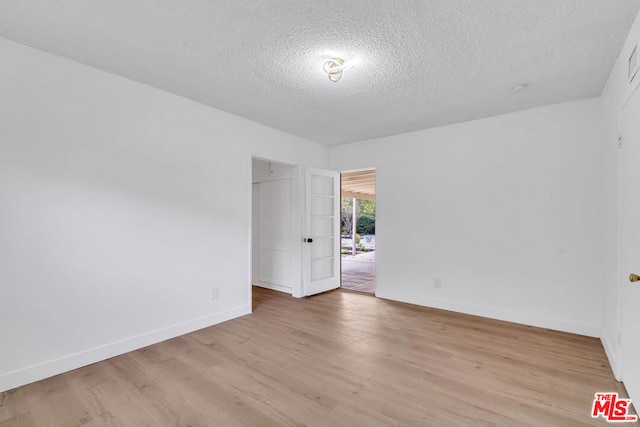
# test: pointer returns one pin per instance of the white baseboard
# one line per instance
(274, 287)
(612, 355)
(50, 368)
(495, 313)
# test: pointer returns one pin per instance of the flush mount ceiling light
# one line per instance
(334, 68)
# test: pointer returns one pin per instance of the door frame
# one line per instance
(297, 289)
(622, 256)
(374, 168)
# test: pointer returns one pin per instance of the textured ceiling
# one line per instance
(418, 64)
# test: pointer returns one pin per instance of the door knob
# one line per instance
(634, 277)
(307, 240)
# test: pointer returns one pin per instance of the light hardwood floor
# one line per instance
(335, 359)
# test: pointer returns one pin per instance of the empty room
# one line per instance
(171, 226)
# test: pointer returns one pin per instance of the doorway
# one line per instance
(273, 251)
(630, 244)
(358, 231)
(295, 230)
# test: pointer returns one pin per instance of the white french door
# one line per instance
(631, 247)
(321, 240)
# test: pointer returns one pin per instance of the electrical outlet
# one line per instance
(213, 293)
(437, 283)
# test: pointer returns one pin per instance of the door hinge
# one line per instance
(620, 141)
(619, 339)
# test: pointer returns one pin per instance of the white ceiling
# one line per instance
(419, 64)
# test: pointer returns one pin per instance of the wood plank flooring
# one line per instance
(335, 359)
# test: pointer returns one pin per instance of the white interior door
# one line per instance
(631, 247)
(321, 247)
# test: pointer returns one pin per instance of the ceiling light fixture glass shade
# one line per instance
(334, 69)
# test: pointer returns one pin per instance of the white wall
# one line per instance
(506, 210)
(615, 93)
(120, 207)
